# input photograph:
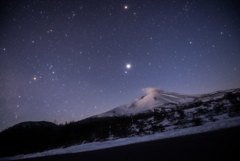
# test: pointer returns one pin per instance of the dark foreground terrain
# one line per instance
(216, 145)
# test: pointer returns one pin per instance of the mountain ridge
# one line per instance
(160, 97)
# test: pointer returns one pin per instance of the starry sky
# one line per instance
(66, 60)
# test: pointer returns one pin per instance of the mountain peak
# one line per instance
(154, 98)
(157, 98)
(153, 90)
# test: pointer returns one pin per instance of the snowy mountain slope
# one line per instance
(155, 99)
(215, 95)
(158, 98)
(206, 108)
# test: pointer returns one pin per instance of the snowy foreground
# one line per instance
(211, 126)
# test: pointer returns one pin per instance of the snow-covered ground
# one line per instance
(210, 126)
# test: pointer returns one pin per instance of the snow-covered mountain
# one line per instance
(154, 99)
(157, 98)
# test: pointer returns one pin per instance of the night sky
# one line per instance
(67, 60)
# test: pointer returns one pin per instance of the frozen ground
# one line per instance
(211, 126)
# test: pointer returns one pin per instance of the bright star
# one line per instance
(128, 66)
(126, 7)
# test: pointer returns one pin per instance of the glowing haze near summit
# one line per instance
(68, 60)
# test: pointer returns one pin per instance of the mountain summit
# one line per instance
(154, 98)
(157, 98)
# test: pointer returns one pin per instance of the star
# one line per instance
(128, 66)
(125, 7)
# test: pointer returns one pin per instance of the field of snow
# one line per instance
(211, 126)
